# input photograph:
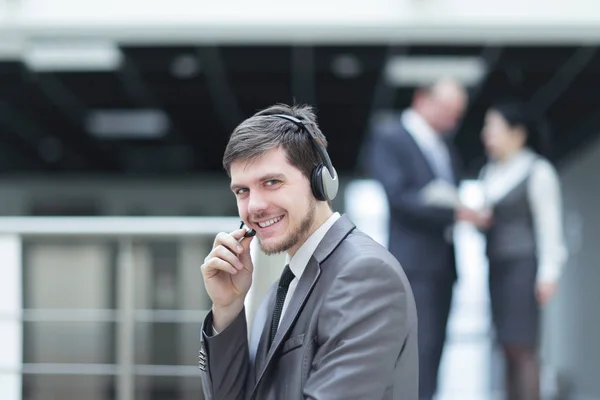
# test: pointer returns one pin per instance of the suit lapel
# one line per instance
(418, 150)
(260, 329)
(305, 285)
(336, 234)
(455, 162)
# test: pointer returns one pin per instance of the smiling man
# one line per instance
(341, 321)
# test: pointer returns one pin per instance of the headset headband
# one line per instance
(320, 148)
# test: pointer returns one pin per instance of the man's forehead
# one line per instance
(251, 169)
(246, 172)
(271, 160)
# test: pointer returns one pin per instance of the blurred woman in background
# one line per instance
(525, 245)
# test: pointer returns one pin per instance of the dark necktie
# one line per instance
(287, 276)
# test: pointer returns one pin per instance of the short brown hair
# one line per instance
(260, 133)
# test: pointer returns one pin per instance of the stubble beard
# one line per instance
(296, 236)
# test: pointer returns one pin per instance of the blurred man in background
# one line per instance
(411, 156)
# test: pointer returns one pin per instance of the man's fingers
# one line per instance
(214, 265)
(225, 254)
(239, 233)
(228, 254)
(230, 240)
(245, 242)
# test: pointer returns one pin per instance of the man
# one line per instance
(410, 155)
(341, 321)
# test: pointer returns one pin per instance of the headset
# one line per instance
(249, 232)
(324, 181)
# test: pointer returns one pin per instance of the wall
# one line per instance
(120, 196)
(207, 195)
(572, 325)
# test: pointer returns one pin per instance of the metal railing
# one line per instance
(15, 231)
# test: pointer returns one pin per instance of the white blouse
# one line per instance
(499, 178)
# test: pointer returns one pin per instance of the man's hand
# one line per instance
(227, 274)
(545, 291)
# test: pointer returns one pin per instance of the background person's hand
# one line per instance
(481, 219)
(545, 291)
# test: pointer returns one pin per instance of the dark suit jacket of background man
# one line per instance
(353, 308)
(419, 235)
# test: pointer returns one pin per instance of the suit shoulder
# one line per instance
(387, 124)
(360, 249)
(544, 165)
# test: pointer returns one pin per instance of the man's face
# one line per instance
(274, 198)
(442, 106)
(447, 110)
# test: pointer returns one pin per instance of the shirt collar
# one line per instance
(299, 261)
(521, 158)
(416, 125)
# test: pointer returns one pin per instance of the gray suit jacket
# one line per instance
(349, 332)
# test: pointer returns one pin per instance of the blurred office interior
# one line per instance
(113, 119)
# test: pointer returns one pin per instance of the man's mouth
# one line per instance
(270, 222)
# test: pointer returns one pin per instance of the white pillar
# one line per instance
(468, 349)
(367, 206)
(11, 308)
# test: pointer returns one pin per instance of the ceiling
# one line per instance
(211, 89)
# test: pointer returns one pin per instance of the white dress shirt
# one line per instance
(499, 178)
(300, 260)
(430, 143)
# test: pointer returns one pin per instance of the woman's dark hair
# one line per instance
(516, 113)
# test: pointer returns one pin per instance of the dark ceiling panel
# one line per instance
(95, 90)
(257, 59)
(369, 57)
(534, 58)
(157, 61)
(445, 50)
(206, 91)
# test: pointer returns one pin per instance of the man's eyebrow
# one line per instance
(266, 177)
(235, 187)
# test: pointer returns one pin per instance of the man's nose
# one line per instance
(256, 203)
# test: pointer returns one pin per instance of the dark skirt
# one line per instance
(515, 309)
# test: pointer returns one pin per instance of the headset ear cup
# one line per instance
(329, 183)
(316, 183)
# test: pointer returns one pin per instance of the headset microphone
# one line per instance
(249, 232)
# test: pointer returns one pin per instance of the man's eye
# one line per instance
(241, 191)
(272, 182)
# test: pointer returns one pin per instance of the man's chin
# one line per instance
(273, 248)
